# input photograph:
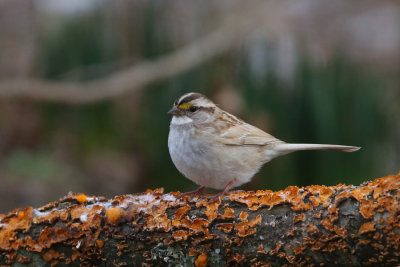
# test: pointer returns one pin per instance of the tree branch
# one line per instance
(245, 19)
(315, 225)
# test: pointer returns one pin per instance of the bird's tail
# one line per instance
(287, 148)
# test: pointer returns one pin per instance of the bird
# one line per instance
(215, 149)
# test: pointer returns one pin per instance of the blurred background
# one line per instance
(85, 87)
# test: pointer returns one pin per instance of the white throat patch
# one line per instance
(180, 120)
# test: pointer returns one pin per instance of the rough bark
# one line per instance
(316, 225)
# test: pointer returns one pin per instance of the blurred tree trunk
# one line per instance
(17, 50)
(315, 225)
(19, 120)
(18, 39)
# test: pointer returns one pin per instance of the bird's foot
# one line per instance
(217, 196)
(199, 191)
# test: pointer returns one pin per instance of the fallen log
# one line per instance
(315, 225)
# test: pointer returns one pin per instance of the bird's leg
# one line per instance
(222, 193)
(198, 191)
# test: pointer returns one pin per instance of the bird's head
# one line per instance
(192, 108)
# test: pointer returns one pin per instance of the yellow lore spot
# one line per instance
(185, 106)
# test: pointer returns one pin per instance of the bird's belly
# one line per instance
(209, 164)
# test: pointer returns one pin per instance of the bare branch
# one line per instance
(316, 225)
(239, 23)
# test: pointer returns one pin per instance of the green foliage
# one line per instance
(40, 166)
(83, 41)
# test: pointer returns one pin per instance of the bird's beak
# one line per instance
(175, 111)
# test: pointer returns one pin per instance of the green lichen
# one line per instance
(215, 258)
(173, 255)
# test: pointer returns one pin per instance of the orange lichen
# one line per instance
(312, 229)
(342, 196)
(276, 200)
(243, 197)
(201, 260)
(228, 214)
(332, 210)
(377, 236)
(277, 248)
(290, 259)
(328, 224)
(261, 249)
(243, 216)
(198, 225)
(270, 199)
(302, 206)
(51, 255)
(255, 221)
(165, 219)
(225, 227)
(361, 192)
(76, 255)
(114, 214)
(243, 229)
(318, 214)
(236, 241)
(321, 195)
(193, 252)
(181, 211)
(21, 215)
(180, 235)
(50, 236)
(386, 201)
(367, 208)
(64, 215)
(366, 228)
(212, 210)
(123, 247)
(47, 217)
(99, 243)
(363, 242)
(261, 264)
(236, 258)
(298, 250)
(23, 259)
(379, 247)
(299, 217)
(81, 198)
(291, 232)
(317, 245)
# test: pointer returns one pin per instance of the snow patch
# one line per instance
(83, 217)
(169, 197)
(145, 199)
(38, 213)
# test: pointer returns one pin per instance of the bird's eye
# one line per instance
(193, 109)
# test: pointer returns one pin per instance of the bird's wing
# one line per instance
(245, 134)
(229, 130)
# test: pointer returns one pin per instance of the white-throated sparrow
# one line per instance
(215, 149)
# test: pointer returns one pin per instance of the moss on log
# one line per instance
(314, 225)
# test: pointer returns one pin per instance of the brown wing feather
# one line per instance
(229, 130)
(246, 134)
